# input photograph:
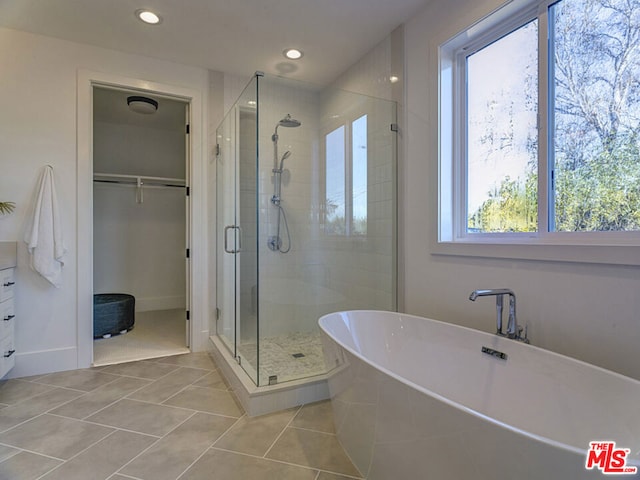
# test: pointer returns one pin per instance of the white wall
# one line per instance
(38, 126)
(588, 311)
(139, 238)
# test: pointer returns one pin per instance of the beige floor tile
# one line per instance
(333, 476)
(314, 449)
(208, 400)
(141, 417)
(85, 380)
(254, 435)
(6, 452)
(213, 380)
(54, 436)
(145, 369)
(315, 416)
(220, 465)
(29, 408)
(14, 391)
(169, 385)
(193, 360)
(26, 466)
(104, 458)
(174, 453)
(91, 402)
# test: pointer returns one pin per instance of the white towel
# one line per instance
(44, 232)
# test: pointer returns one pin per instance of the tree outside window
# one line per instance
(593, 106)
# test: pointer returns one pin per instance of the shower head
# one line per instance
(285, 122)
(289, 122)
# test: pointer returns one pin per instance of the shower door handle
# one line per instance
(239, 238)
(226, 239)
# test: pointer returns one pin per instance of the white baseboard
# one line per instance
(147, 304)
(45, 361)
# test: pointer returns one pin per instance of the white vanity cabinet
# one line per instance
(7, 320)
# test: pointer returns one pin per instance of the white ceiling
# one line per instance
(232, 36)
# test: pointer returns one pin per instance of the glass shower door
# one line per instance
(225, 233)
(237, 232)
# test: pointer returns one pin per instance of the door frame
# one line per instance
(196, 293)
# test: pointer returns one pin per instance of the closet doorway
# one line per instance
(140, 221)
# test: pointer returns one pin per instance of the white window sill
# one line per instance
(553, 252)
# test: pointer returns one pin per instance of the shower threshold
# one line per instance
(269, 398)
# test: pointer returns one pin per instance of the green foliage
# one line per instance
(6, 207)
(602, 194)
(510, 208)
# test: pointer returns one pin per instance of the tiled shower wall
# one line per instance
(321, 273)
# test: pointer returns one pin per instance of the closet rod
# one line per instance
(138, 180)
(134, 184)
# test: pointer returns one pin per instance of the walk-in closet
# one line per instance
(140, 204)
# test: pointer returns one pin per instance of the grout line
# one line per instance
(208, 448)
(21, 450)
(90, 422)
(23, 422)
(282, 432)
(156, 442)
(46, 411)
(77, 454)
(275, 460)
(110, 404)
(312, 430)
(41, 382)
(113, 475)
(227, 430)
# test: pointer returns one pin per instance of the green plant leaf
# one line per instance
(7, 207)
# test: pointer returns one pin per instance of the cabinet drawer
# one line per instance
(7, 318)
(8, 358)
(7, 283)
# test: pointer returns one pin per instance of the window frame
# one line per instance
(452, 236)
(345, 121)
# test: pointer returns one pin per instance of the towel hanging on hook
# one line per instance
(43, 236)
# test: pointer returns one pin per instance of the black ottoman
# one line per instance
(113, 313)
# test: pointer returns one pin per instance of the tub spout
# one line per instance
(513, 331)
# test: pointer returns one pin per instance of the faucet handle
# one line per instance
(524, 338)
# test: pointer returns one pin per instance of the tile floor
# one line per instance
(168, 418)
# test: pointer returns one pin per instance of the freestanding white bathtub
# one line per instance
(418, 399)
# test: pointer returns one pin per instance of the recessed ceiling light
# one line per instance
(148, 16)
(293, 53)
(393, 79)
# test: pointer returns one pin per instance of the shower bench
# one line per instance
(113, 313)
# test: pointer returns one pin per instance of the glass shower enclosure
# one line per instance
(305, 221)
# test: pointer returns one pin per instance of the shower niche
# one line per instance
(305, 222)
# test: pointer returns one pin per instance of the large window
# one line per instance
(346, 179)
(541, 139)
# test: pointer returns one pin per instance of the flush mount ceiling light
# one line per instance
(147, 16)
(293, 53)
(143, 105)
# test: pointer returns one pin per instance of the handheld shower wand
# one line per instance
(275, 242)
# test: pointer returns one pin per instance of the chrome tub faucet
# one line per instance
(513, 330)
